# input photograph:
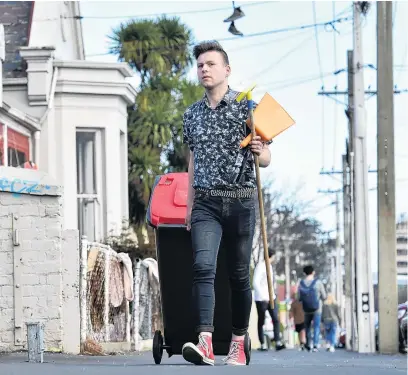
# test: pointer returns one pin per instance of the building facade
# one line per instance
(64, 115)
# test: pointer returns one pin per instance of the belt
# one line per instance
(240, 193)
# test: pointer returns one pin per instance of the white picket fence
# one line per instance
(122, 321)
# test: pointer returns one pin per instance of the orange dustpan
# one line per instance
(270, 120)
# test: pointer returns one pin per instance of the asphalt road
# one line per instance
(287, 362)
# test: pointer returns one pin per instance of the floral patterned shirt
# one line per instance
(214, 135)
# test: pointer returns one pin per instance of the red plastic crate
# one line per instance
(168, 203)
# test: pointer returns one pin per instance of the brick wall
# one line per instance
(37, 282)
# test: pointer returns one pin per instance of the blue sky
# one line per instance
(278, 63)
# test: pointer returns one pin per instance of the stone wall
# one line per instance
(39, 268)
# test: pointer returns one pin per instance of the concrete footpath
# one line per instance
(287, 362)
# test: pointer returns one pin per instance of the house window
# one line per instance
(124, 173)
(89, 183)
(14, 147)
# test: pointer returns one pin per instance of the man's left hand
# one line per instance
(256, 145)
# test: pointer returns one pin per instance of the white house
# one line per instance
(65, 114)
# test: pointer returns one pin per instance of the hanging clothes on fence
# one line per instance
(116, 291)
(127, 276)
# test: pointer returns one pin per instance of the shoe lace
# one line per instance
(204, 344)
(233, 352)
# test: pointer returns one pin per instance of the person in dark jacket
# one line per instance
(312, 294)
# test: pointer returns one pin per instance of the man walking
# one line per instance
(221, 201)
(261, 295)
(312, 295)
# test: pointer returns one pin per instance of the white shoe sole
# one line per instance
(233, 363)
(193, 355)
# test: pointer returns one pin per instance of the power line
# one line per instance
(293, 28)
(172, 13)
(277, 62)
(394, 12)
(319, 61)
(335, 68)
(317, 42)
(294, 82)
(251, 45)
(331, 23)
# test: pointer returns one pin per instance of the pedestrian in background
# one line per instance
(261, 296)
(312, 295)
(331, 320)
(297, 314)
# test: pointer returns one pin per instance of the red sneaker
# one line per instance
(200, 354)
(236, 355)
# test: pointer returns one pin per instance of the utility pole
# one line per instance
(336, 269)
(387, 258)
(347, 259)
(365, 297)
(289, 338)
(352, 256)
(333, 284)
(339, 268)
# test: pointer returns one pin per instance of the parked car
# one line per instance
(402, 325)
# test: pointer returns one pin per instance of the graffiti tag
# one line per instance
(18, 186)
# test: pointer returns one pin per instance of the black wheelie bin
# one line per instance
(166, 214)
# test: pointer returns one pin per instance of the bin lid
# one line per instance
(168, 202)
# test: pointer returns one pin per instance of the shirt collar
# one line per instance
(228, 98)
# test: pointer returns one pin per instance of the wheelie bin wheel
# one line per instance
(247, 348)
(157, 347)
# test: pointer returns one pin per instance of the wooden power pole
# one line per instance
(387, 258)
(352, 256)
(365, 292)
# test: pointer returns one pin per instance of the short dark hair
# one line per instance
(308, 270)
(271, 252)
(207, 46)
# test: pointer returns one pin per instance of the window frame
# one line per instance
(98, 195)
(7, 127)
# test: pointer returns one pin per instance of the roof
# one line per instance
(16, 19)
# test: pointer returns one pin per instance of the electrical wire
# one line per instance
(335, 107)
(317, 42)
(282, 84)
(293, 28)
(394, 13)
(173, 13)
(277, 62)
(251, 45)
(140, 16)
(321, 79)
(323, 131)
(331, 23)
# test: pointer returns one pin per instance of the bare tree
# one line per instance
(286, 212)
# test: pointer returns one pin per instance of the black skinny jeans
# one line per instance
(232, 219)
(261, 307)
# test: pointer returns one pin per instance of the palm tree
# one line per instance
(153, 47)
(177, 152)
(159, 51)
